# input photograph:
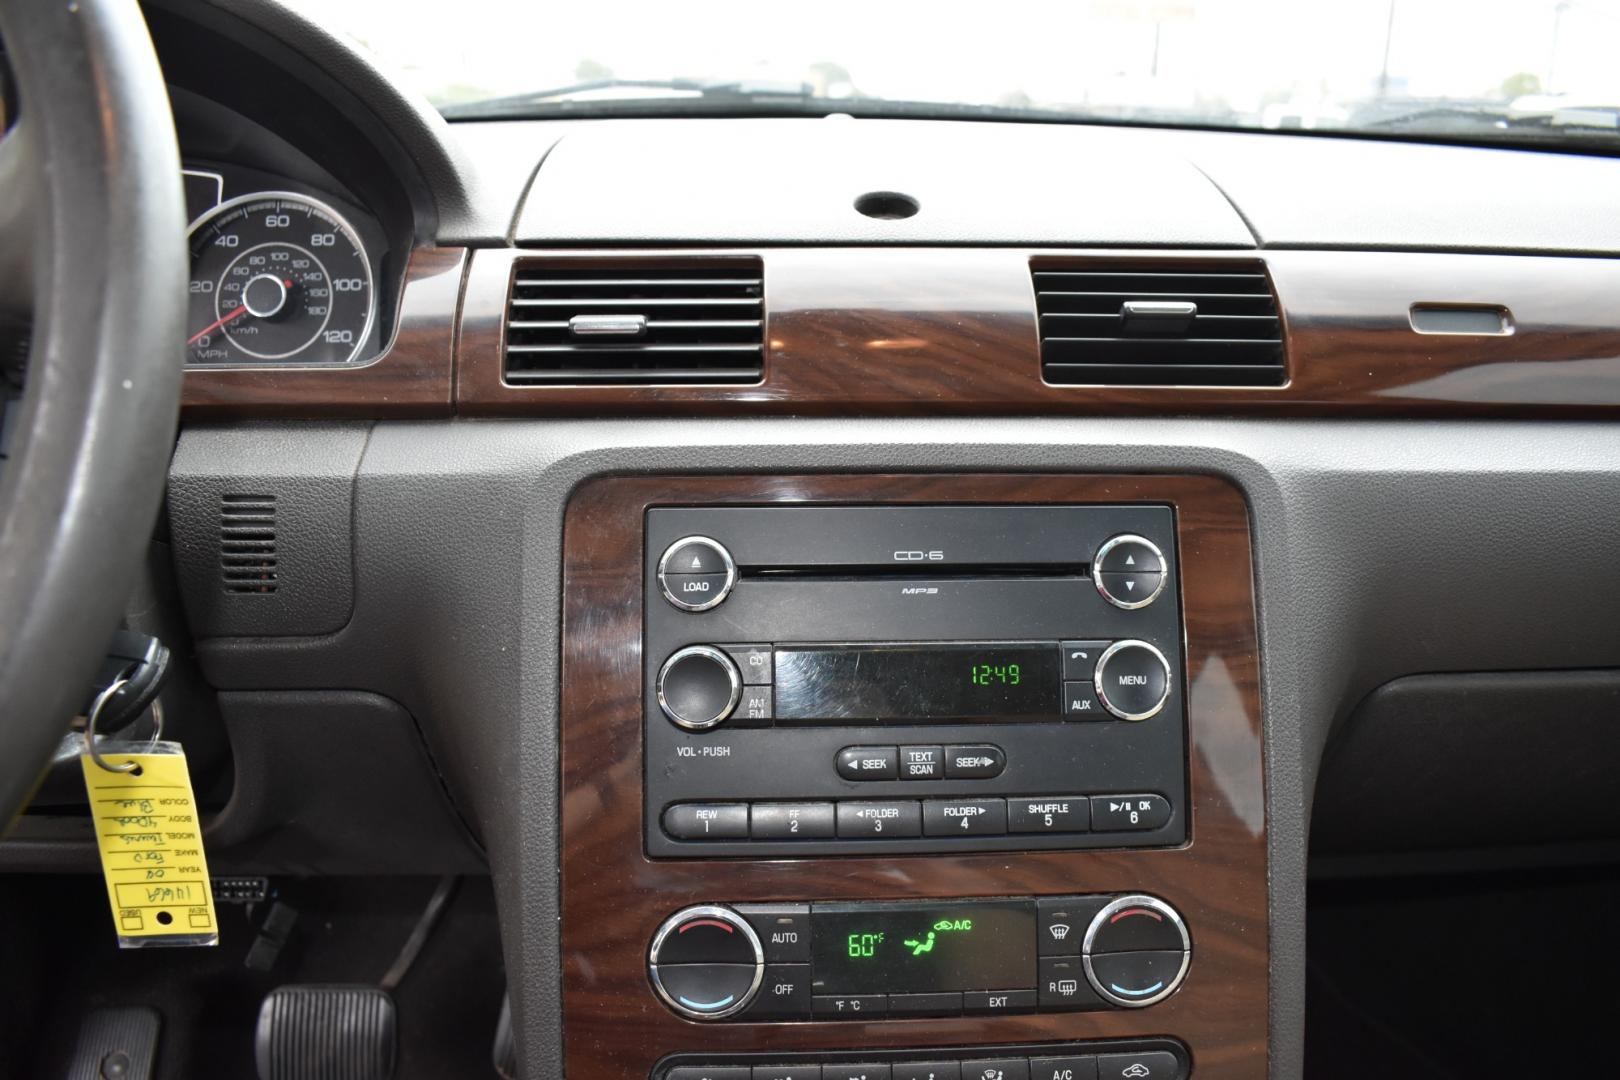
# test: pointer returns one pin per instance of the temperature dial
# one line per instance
(1136, 951)
(706, 962)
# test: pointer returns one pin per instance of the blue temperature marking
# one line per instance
(1118, 989)
(722, 1003)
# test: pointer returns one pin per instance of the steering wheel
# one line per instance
(92, 287)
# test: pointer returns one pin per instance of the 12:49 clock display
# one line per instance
(1003, 674)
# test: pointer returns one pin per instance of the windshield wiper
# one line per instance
(675, 91)
(1474, 118)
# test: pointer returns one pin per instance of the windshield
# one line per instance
(1514, 70)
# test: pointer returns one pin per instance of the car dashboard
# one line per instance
(880, 598)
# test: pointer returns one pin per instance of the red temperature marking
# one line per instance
(1118, 915)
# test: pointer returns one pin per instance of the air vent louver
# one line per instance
(697, 321)
(247, 543)
(1167, 324)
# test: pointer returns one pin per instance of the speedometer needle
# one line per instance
(240, 309)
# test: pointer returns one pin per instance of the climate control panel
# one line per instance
(865, 961)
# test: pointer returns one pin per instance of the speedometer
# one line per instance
(277, 278)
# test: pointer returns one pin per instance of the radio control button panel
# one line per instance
(1116, 1059)
(914, 679)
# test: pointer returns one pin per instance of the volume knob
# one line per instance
(698, 687)
(706, 962)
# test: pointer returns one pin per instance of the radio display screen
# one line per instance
(956, 681)
(923, 948)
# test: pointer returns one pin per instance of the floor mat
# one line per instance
(66, 962)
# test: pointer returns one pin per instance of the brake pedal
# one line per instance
(116, 1042)
(325, 1033)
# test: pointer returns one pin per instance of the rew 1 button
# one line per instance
(707, 821)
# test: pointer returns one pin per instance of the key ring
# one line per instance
(95, 711)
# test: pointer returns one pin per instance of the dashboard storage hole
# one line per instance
(887, 205)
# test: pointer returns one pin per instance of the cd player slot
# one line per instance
(913, 570)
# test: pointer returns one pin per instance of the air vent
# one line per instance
(1168, 324)
(697, 321)
(247, 543)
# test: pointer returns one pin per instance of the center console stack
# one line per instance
(879, 765)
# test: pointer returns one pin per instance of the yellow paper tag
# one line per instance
(151, 846)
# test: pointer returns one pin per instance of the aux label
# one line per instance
(919, 556)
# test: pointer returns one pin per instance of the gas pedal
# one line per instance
(330, 1032)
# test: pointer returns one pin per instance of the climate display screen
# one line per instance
(923, 948)
(957, 681)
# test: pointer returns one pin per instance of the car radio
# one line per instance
(856, 680)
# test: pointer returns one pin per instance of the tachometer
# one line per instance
(277, 278)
